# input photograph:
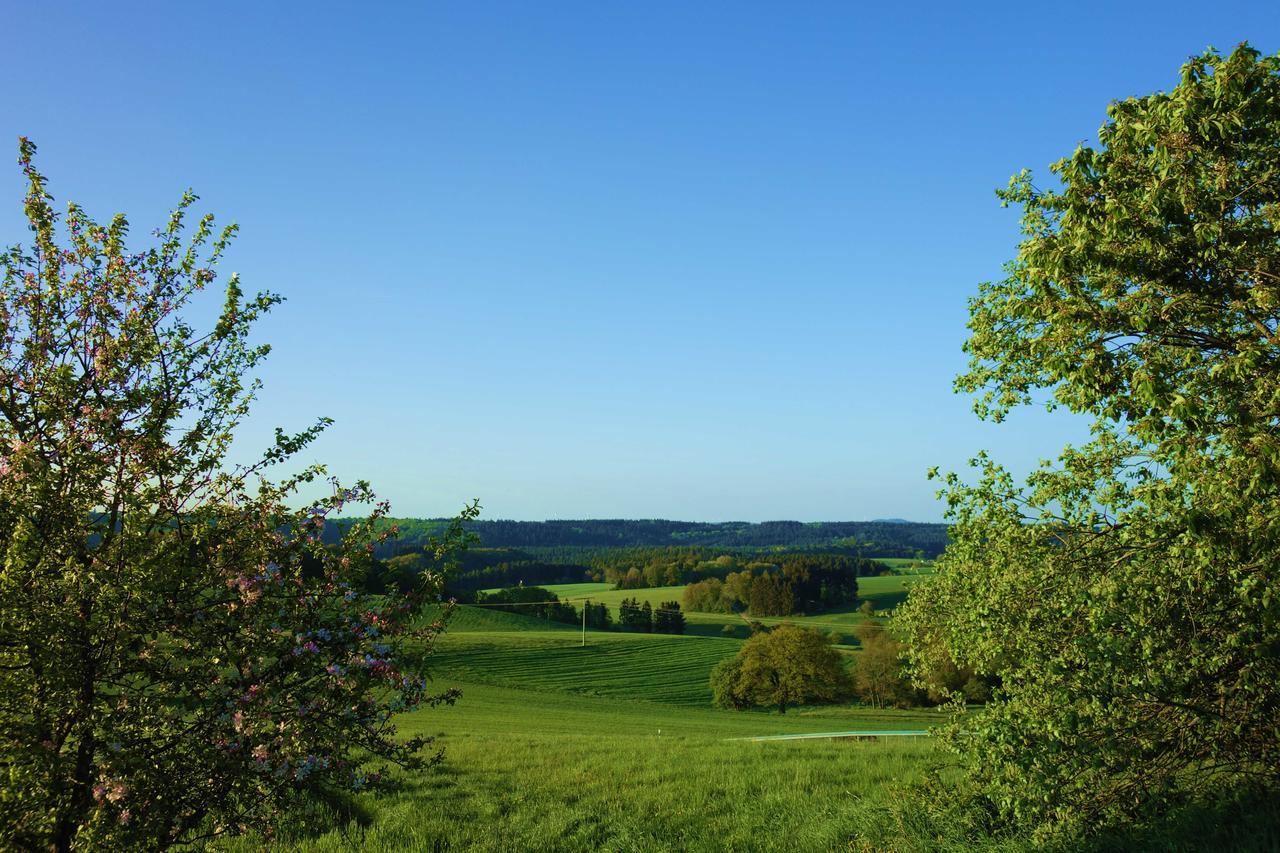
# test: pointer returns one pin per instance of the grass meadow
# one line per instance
(884, 592)
(615, 746)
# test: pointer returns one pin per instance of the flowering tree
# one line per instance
(180, 656)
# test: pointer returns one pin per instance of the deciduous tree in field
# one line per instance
(780, 668)
(736, 593)
(878, 674)
(180, 656)
(1126, 597)
(704, 596)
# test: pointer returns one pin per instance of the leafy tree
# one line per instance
(645, 619)
(727, 689)
(703, 596)
(1126, 596)
(780, 668)
(735, 595)
(945, 681)
(180, 656)
(878, 674)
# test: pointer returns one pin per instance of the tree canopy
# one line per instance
(779, 668)
(1124, 598)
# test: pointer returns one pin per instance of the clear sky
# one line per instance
(683, 260)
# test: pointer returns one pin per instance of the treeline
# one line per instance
(790, 664)
(816, 581)
(797, 583)
(867, 538)
(543, 604)
(642, 617)
(475, 569)
(640, 568)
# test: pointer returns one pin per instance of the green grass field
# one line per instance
(884, 592)
(615, 746)
(536, 771)
(659, 667)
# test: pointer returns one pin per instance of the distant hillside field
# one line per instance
(884, 592)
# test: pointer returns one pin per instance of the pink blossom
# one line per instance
(115, 790)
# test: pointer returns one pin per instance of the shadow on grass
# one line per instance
(1241, 823)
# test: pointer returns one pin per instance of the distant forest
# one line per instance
(890, 538)
(651, 553)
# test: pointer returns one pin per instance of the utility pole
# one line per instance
(584, 622)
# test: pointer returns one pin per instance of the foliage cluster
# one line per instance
(666, 618)
(780, 668)
(534, 601)
(1126, 597)
(796, 583)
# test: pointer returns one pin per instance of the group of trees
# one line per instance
(542, 603)
(796, 583)
(789, 665)
(473, 570)
(666, 618)
(818, 578)
(567, 541)
(882, 677)
(467, 580)
(532, 601)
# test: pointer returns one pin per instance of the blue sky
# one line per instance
(696, 261)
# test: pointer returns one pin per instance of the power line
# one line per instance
(800, 621)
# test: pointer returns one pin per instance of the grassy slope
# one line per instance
(553, 747)
(884, 592)
(616, 747)
(649, 666)
(534, 771)
(487, 647)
